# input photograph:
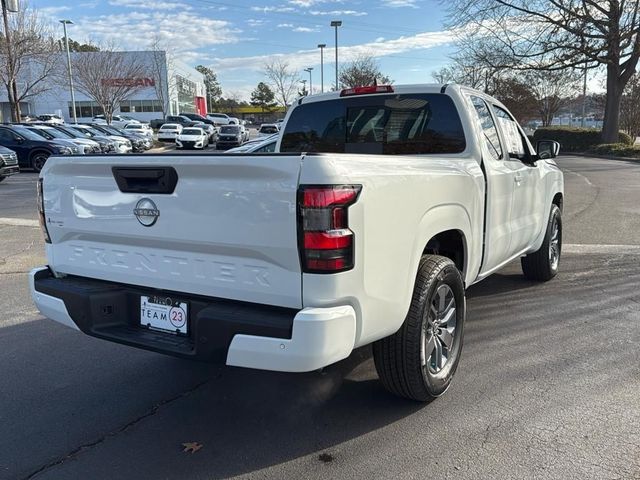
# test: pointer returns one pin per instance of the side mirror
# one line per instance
(547, 149)
(18, 139)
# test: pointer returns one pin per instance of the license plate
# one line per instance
(163, 313)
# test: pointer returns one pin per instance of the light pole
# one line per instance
(308, 69)
(336, 24)
(66, 42)
(321, 47)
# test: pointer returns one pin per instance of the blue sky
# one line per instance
(236, 38)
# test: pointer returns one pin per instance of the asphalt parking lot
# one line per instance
(548, 386)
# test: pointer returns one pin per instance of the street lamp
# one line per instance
(66, 41)
(321, 47)
(336, 24)
(308, 69)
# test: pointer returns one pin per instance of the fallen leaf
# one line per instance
(191, 447)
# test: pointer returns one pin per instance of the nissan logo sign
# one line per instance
(146, 212)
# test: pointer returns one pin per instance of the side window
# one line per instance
(270, 147)
(488, 127)
(5, 134)
(512, 135)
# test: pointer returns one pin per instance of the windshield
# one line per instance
(28, 134)
(230, 129)
(88, 131)
(70, 131)
(382, 124)
(191, 131)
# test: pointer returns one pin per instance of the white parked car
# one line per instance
(120, 121)
(192, 137)
(218, 118)
(121, 144)
(267, 129)
(169, 131)
(50, 118)
(140, 128)
(209, 129)
(368, 230)
(234, 121)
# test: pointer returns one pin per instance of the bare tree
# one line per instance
(109, 77)
(161, 64)
(559, 34)
(551, 90)
(29, 60)
(362, 71)
(283, 79)
(630, 107)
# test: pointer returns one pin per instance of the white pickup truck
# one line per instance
(382, 206)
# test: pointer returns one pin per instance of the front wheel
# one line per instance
(419, 360)
(38, 160)
(543, 264)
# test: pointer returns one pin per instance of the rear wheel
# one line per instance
(38, 160)
(419, 360)
(543, 264)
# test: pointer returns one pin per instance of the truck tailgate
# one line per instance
(227, 230)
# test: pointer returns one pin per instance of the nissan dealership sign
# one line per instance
(129, 82)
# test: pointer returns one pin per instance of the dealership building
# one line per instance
(180, 87)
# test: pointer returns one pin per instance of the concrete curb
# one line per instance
(604, 157)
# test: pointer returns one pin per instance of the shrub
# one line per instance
(616, 149)
(574, 139)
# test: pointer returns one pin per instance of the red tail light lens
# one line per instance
(348, 92)
(326, 243)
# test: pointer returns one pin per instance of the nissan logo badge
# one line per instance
(146, 212)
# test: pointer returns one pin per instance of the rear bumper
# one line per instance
(236, 333)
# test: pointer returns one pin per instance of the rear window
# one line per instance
(229, 129)
(389, 124)
(269, 130)
(191, 131)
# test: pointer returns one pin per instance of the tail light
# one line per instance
(326, 243)
(348, 92)
(40, 202)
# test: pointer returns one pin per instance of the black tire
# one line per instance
(543, 264)
(2, 178)
(38, 159)
(402, 366)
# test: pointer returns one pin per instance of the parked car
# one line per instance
(139, 143)
(50, 118)
(209, 129)
(122, 145)
(50, 132)
(245, 132)
(267, 129)
(291, 262)
(192, 137)
(140, 128)
(260, 145)
(8, 163)
(179, 119)
(218, 118)
(229, 136)
(169, 131)
(119, 121)
(106, 144)
(32, 149)
(196, 117)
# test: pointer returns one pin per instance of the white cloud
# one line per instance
(335, 13)
(400, 3)
(182, 30)
(253, 22)
(305, 58)
(149, 4)
(52, 11)
(309, 3)
(279, 9)
(285, 25)
(305, 29)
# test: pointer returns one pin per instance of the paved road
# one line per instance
(548, 386)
